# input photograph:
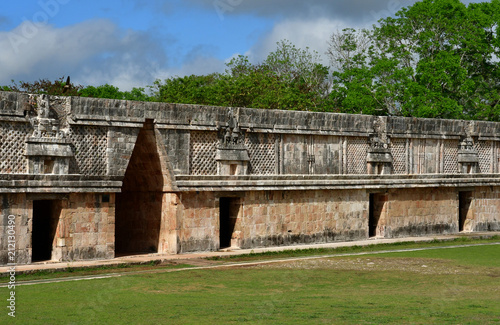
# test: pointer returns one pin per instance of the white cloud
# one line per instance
(302, 33)
(355, 11)
(42, 47)
(304, 29)
(93, 52)
(198, 66)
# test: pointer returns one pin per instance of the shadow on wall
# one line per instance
(139, 205)
(46, 215)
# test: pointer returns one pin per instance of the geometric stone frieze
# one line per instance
(232, 155)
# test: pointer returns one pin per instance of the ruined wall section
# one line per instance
(120, 145)
(433, 146)
(418, 212)
(15, 207)
(309, 143)
(177, 147)
(40, 138)
(301, 143)
(484, 214)
(177, 125)
(192, 133)
(101, 134)
(198, 229)
(86, 228)
(14, 132)
(292, 217)
(272, 218)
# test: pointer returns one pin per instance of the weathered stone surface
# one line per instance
(171, 178)
(295, 217)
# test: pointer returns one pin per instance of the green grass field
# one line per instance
(439, 286)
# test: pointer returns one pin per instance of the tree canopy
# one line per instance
(437, 58)
(289, 78)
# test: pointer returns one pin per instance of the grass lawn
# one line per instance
(441, 286)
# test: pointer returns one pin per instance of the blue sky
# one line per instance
(130, 43)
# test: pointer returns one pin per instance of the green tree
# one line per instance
(192, 89)
(112, 92)
(59, 87)
(437, 58)
(63, 87)
(289, 78)
(103, 91)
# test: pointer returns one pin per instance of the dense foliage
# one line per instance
(112, 92)
(289, 78)
(437, 58)
(44, 86)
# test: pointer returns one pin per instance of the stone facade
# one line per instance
(84, 178)
(415, 212)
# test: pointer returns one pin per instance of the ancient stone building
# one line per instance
(88, 178)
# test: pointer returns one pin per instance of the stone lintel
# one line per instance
(232, 154)
(468, 156)
(53, 140)
(379, 156)
(48, 149)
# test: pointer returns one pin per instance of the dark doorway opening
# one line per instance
(376, 208)
(139, 205)
(45, 219)
(464, 201)
(228, 214)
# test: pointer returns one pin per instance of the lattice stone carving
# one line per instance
(485, 151)
(262, 151)
(357, 149)
(450, 156)
(89, 146)
(399, 158)
(203, 149)
(13, 138)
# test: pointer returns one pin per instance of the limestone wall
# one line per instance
(294, 217)
(417, 212)
(183, 178)
(264, 219)
(15, 206)
(484, 214)
(198, 229)
(96, 138)
(86, 228)
(77, 227)
(276, 218)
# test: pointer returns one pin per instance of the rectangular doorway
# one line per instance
(376, 209)
(228, 214)
(45, 219)
(464, 201)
